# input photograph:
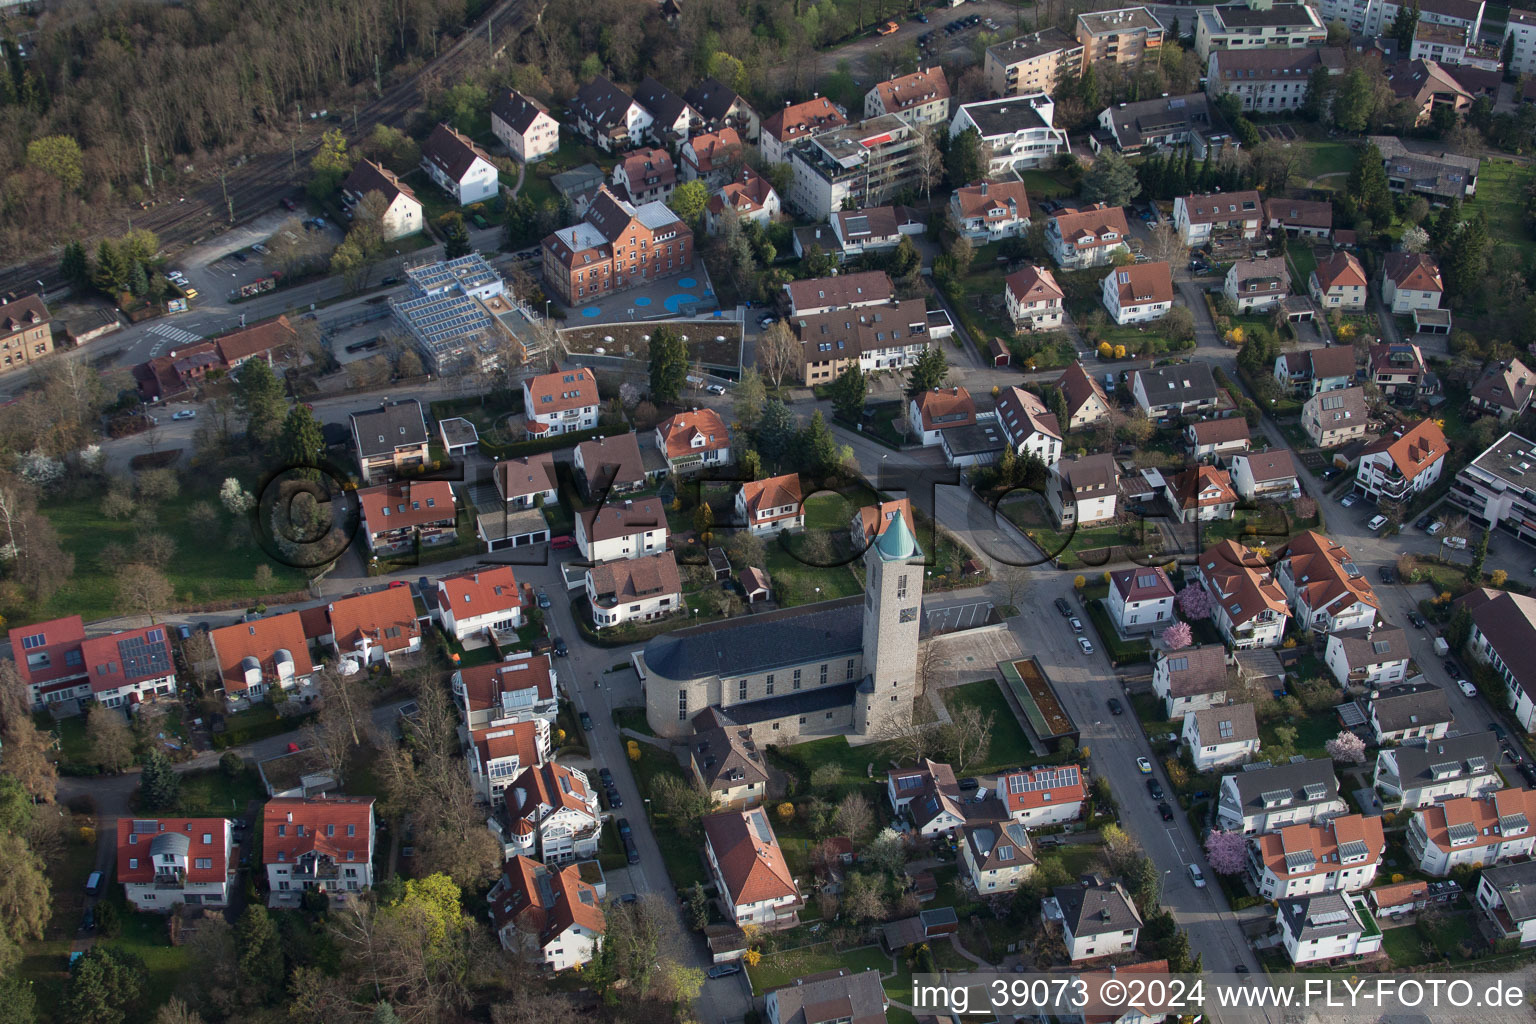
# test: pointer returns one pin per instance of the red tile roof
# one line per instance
(1221, 207)
(1140, 283)
(518, 739)
(1042, 787)
(926, 86)
(941, 408)
(1341, 270)
(484, 684)
(386, 617)
(531, 474)
(993, 201)
(549, 785)
(613, 520)
(1414, 450)
(481, 591)
(1414, 271)
(714, 147)
(257, 339)
(135, 835)
(1241, 582)
(679, 432)
(121, 659)
(873, 519)
(1033, 284)
(1222, 431)
(406, 504)
(560, 391)
(803, 119)
(1316, 565)
(1099, 221)
(774, 492)
(751, 861)
(294, 826)
(1023, 414)
(547, 911)
(1323, 842)
(1148, 583)
(260, 639)
(55, 639)
(1202, 487)
(1078, 386)
(1482, 813)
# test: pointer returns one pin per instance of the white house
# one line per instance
(162, 862)
(1017, 132)
(1209, 439)
(479, 602)
(1043, 796)
(324, 843)
(1404, 464)
(1190, 680)
(990, 210)
(458, 166)
(1503, 634)
(998, 856)
(1326, 926)
(1089, 237)
(671, 115)
(921, 97)
(1248, 606)
(1221, 736)
(130, 667)
(1338, 855)
(1200, 494)
(608, 116)
(634, 589)
(403, 212)
(551, 813)
(1179, 389)
(932, 412)
(694, 440)
(546, 915)
(755, 882)
(1368, 656)
(1083, 490)
(625, 529)
(500, 753)
(1325, 587)
(1141, 599)
(1338, 282)
(708, 157)
(1217, 215)
(1098, 918)
(1412, 711)
(1267, 799)
(1257, 285)
(1269, 474)
(1486, 830)
(1423, 772)
(520, 688)
(771, 505)
(1506, 893)
(858, 995)
(1034, 299)
(527, 481)
(1410, 281)
(645, 176)
(1138, 292)
(560, 402)
(1030, 428)
(524, 126)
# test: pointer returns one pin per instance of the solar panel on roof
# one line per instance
(760, 824)
(142, 826)
(1513, 823)
(143, 657)
(1327, 917)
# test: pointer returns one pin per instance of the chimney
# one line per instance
(983, 188)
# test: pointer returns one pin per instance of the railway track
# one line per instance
(260, 183)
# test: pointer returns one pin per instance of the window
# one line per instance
(768, 684)
(823, 674)
(797, 679)
(133, 863)
(207, 838)
(351, 830)
(682, 705)
(282, 830)
(203, 863)
(848, 669)
(901, 586)
(741, 690)
(330, 830)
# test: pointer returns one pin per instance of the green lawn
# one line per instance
(1067, 546)
(796, 583)
(1312, 732)
(860, 764)
(1010, 747)
(207, 565)
(212, 794)
(783, 967)
(678, 852)
(1040, 184)
(1320, 158)
(1303, 261)
(1501, 194)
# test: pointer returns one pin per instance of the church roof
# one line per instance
(897, 544)
(759, 642)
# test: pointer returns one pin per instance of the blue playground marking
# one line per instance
(642, 300)
(591, 312)
(686, 282)
(675, 302)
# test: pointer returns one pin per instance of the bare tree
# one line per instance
(968, 737)
(929, 162)
(1164, 243)
(910, 739)
(143, 588)
(111, 741)
(344, 693)
(778, 352)
(26, 758)
(855, 818)
(1012, 579)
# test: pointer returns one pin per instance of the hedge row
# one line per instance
(518, 449)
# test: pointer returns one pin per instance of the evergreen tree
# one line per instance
(775, 433)
(261, 955)
(848, 393)
(1367, 186)
(1088, 88)
(260, 395)
(1204, 182)
(669, 365)
(302, 441)
(106, 986)
(18, 1004)
(138, 280)
(74, 264)
(1479, 556)
(1404, 26)
(818, 447)
(1445, 225)
(1464, 259)
(112, 269)
(456, 241)
(159, 785)
(963, 163)
(1354, 101)
(1110, 180)
(930, 371)
(1319, 89)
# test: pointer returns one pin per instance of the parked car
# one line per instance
(1165, 810)
(544, 601)
(1417, 620)
(1076, 624)
(606, 774)
(1063, 607)
(1144, 766)
(562, 542)
(1155, 789)
(1085, 645)
(1434, 529)
(631, 851)
(726, 970)
(1376, 523)
(1497, 730)
(586, 722)
(922, 17)
(716, 389)
(624, 830)
(968, 783)
(1452, 670)
(614, 799)
(1423, 521)
(1528, 770)
(1456, 543)
(259, 248)
(1466, 687)
(1197, 876)
(1388, 574)
(560, 649)
(1115, 707)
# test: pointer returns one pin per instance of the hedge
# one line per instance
(518, 449)
(1121, 652)
(240, 735)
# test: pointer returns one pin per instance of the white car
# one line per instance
(1459, 543)
(259, 248)
(1435, 528)
(1085, 644)
(1197, 876)
(184, 414)
(1349, 499)
(1376, 523)
(1466, 687)
(1076, 624)
(716, 389)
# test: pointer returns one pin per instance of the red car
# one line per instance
(563, 541)
(398, 583)
(289, 204)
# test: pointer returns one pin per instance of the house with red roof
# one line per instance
(546, 915)
(1411, 281)
(560, 402)
(1031, 428)
(1034, 299)
(1140, 1008)
(1483, 830)
(645, 175)
(1248, 606)
(990, 210)
(1404, 464)
(1338, 282)
(771, 505)
(474, 604)
(257, 655)
(498, 754)
(324, 843)
(162, 862)
(748, 864)
(936, 410)
(708, 157)
(1141, 599)
(1043, 796)
(551, 812)
(694, 440)
(48, 659)
(795, 125)
(1311, 857)
(1326, 588)
(1211, 438)
(369, 629)
(129, 667)
(872, 520)
(402, 513)
(1089, 237)
(519, 689)
(1200, 494)
(1138, 292)
(749, 197)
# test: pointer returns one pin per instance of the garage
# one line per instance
(521, 528)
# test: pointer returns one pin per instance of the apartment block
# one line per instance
(1118, 37)
(1032, 63)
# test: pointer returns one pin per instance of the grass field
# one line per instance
(206, 566)
(785, 966)
(212, 793)
(1067, 546)
(1010, 747)
(1312, 733)
(1303, 261)
(1325, 158)
(1501, 195)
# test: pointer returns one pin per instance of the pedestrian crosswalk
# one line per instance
(175, 334)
